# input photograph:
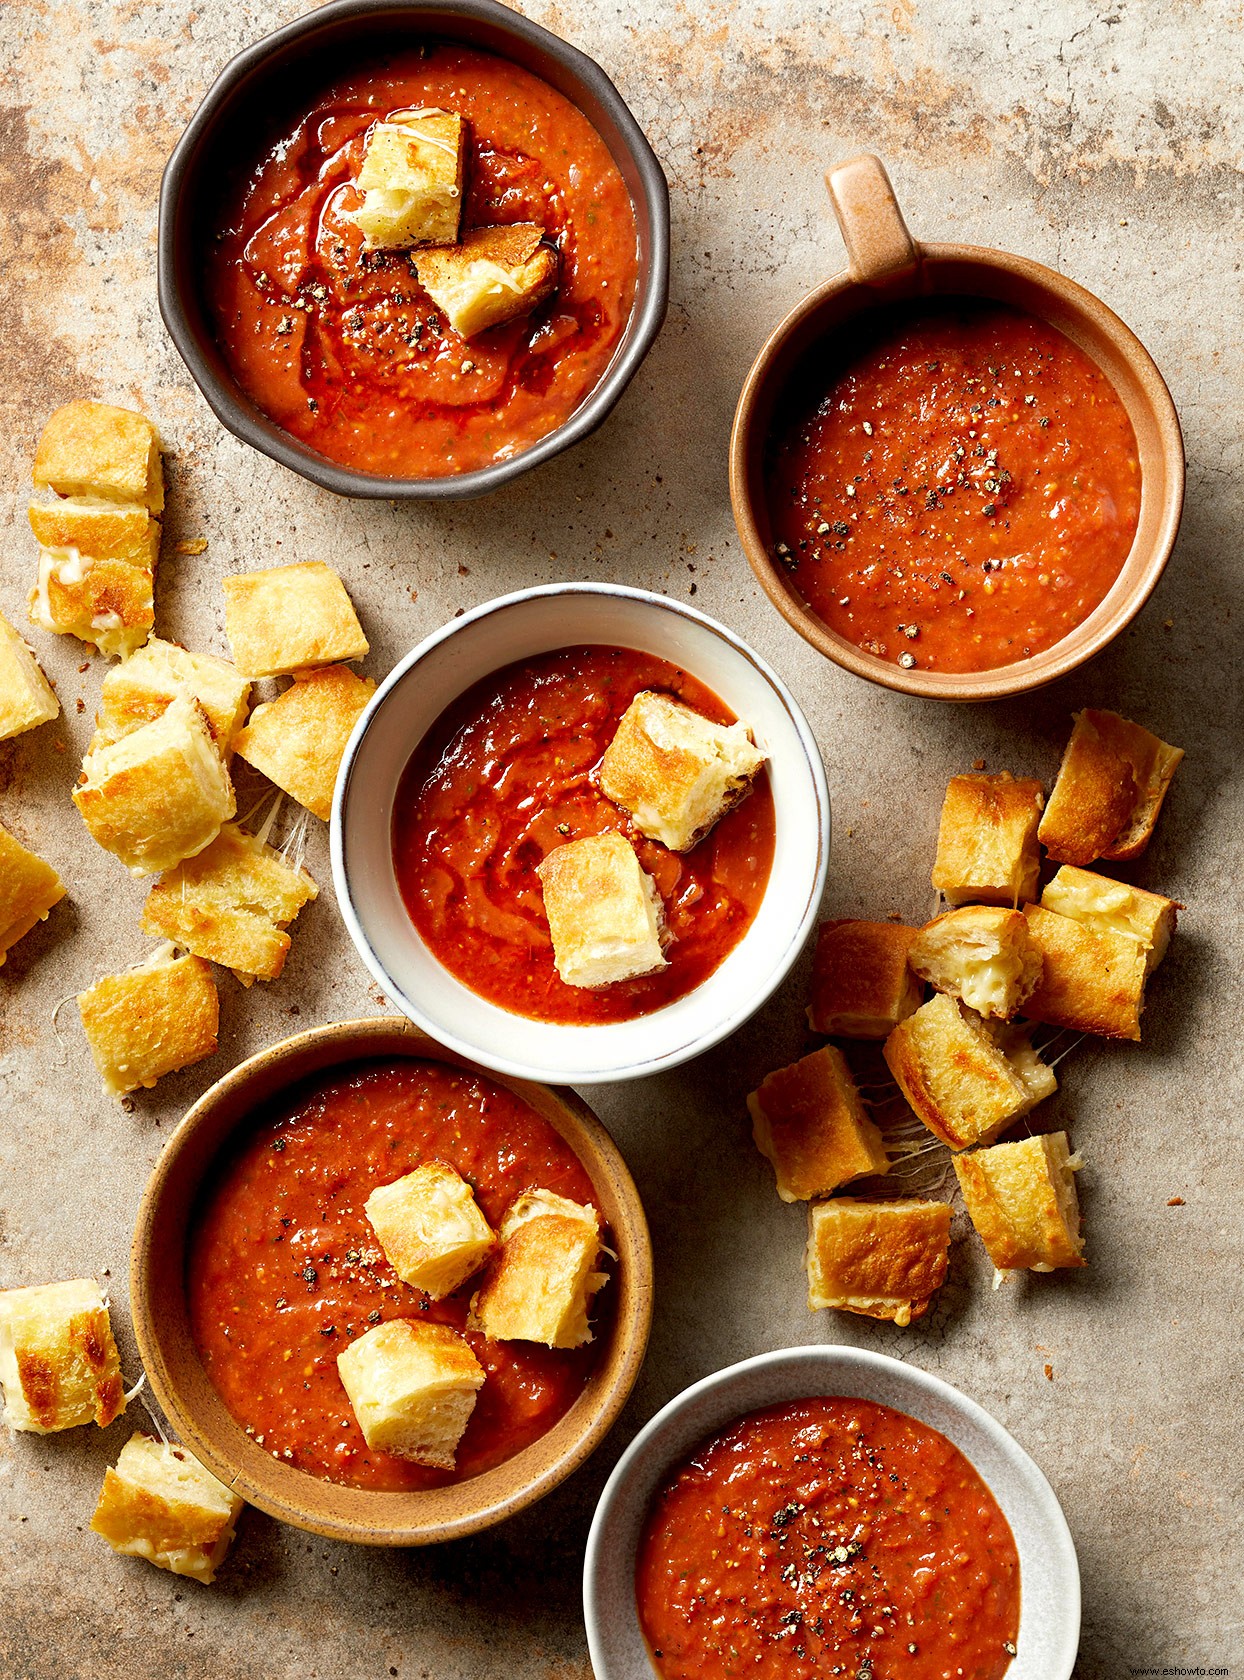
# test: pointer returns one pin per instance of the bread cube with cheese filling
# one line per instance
(675, 772)
(987, 840)
(413, 1388)
(299, 739)
(153, 1019)
(289, 618)
(881, 1260)
(231, 904)
(26, 696)
(959, 1079)
(1114, 906)
(1110, 788)
(1092, 978)
(605, 915)
(495, 274)
(59, 1365)
(159, 794)
(809, 1121)
(98, 449)
(981, 954)
(540, 1283)
(431, 1228)
(862, 986)
(411, 180)
(28, 890)
(97, 568)
(162, 1505)
(1021, 1197)
(142, 688)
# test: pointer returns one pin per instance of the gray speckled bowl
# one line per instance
(1049, 1628)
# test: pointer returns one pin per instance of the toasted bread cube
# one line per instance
(412, 1387)
(430, 1228)
(96, 449)
(1021, 1197)
(150, 1020)
(877, 1259)
(987, 842)
(289, 618)
(1114, 906)
(808, 1119)
(981, 954)
(298, 740)
(674, 772)
(26, 697)
(142, 688)
(230, 904)
(1092, 979)
(161, 1504)
(605, 914)
(28, 890)
(1014, 1039)
(1111, 784)
(862, 986)
(495, 274)
(159, 794)
(538, 1286)
(96, 573)
(411, 180)
(956, 1075)
(59, 1365)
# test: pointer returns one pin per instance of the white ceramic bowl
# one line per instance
(1049, 1626)
(419, 688)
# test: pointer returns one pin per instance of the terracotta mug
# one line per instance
(887, 266)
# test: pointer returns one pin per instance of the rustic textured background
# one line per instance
(1103, 139)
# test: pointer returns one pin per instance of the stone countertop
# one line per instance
(1103, 140)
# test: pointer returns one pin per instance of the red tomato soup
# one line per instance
(959, 494)
(343, 348)
(507, 774)
(823, 1537)
(285, 1270)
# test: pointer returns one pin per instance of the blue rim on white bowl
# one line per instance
(1049, 1625)
(416, 692)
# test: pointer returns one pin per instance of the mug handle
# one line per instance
(873, 230)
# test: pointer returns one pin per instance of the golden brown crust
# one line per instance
(127, 534)
(97, 449)
(431, 1229)
(298, 739)
(987, 840)
(1092, 979)
(412, 1386)
(1021, 1197)
(495, 274)
(58, 1361)
(809, 1121)
(862, 986)
(981, 954)
(289, 618)
(28, 890)
(162, 1505)
(150, 1021)
(878, 1259)
(26, 696)
(539, 1283)
(412, 179)
(143, 687)
(605, 916)
(1100, 902)
(1110, 787)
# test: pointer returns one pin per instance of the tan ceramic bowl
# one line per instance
(196, 1411)
(887, 266)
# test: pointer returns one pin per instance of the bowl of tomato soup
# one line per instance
(324, 349)
(481, 755)
(955, 472)
(826, 1510)
(255, 1266)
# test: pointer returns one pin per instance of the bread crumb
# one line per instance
(1176, 1201)
(1049, 1373)
(191, 545)
(978, 764)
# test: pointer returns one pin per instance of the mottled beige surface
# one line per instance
(1106, 140)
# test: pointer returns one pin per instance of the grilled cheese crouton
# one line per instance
(862, 986)
(605, 914)
(162, 1505)
(142, 687)
(809, 1121)
(1110, 787)
(959, 1079)
(151, 1020)
(28, 890)
(411, 180)
(96, 573)
(230, 904)
(299, 739)
(59, 1365)
(495, 274)
(159, 794)
(289, 618)
(1021, 1197)
(981, 954)
(987, 840)
(1092, 978)
(674, 772)
(26, 697)
(412, 1387)
(539, 1284)
(97, 449)
(878, 1259)
(431, 1229)
(1115, 907)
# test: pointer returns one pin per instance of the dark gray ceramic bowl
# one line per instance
(315, 48)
